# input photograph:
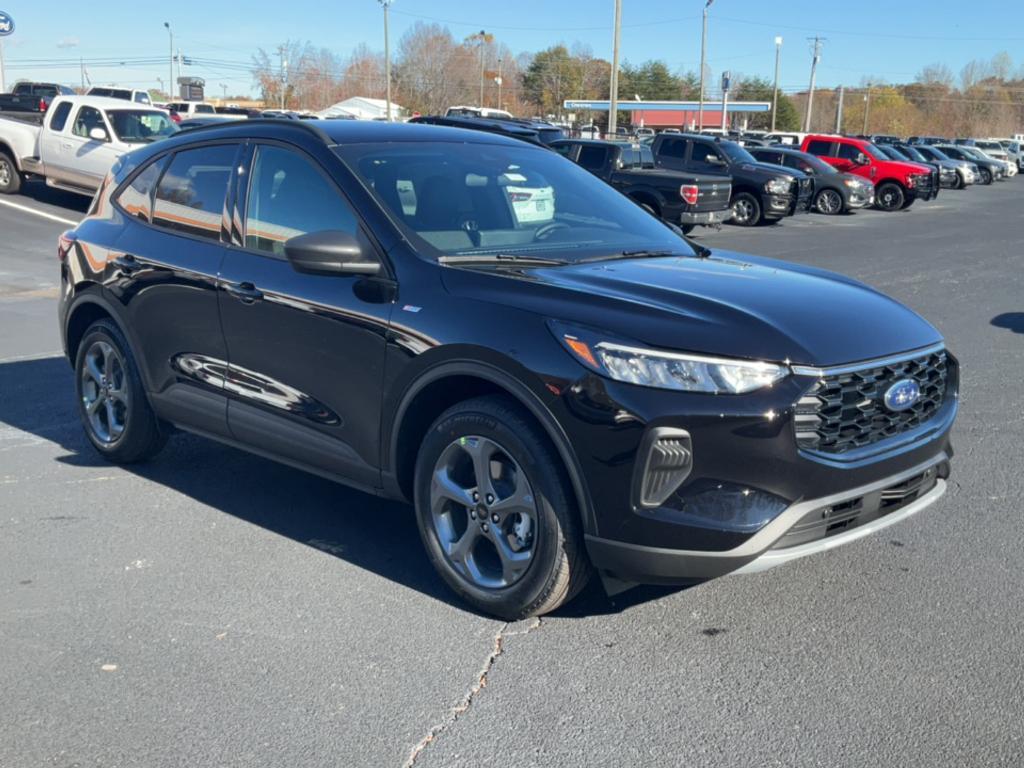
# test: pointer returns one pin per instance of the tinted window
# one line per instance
(851, 152)
(771, 157)
(137, 198)
(673, 148)
(190, 197)
(59, 118)
(592, 158)
(701, 154)
(288, 196)
(819, 147)
(87, 119)
(142, 98)
(141, 126)
(646, 157)
(204, 109)
(563, 149)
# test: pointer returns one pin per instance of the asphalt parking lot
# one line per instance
(214, 608)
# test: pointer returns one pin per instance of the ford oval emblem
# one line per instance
(6, 24)
(902, 395)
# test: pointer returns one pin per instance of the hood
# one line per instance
(768, 168)
(730, 304)
(854, 177)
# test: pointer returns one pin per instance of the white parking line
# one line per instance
(45, 215)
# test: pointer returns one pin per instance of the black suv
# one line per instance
(556, 388)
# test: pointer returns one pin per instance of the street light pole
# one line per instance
(814, 71)
(387, 59)
(499, 83)
(613, 90)
(170, 64)
(867, 106)
(703, 56)
(483, 42)
(775, 90)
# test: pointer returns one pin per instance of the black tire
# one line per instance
(10, 178)
(651, 209)
(829, 202)
(140, 436)
(986, 176)
(687, 228)
(558, 567)
(746, 210)
(960, 181)
(890, 196)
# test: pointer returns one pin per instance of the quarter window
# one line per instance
(137, 198)
(60, 116)
(190, 197)
(87, 119)
(288, 197)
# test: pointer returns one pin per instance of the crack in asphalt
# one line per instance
(459, 709)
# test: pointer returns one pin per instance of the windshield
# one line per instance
(488, 199)
(141, 126)
(989, 145)
(913, 153)
(977, 154)
(877, 152)
(736, 153)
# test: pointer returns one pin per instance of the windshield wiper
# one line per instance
(471, 259)
(699, 251)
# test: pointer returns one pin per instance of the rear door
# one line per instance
(306, 350)
(170, 253)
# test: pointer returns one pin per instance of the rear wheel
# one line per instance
(890, 196)
(10, 179)
(112, 403)
(829, 202)
(746, 210)
(495, 511)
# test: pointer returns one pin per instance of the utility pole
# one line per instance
(499, 83)
(725, 101)
(816, 51)
(703, 56)
(839, 110)
(284, 73)
(81, 71)
(867, 106)
(170, 63)
(483, 42)
(613, 90)
(775, 90)
(224, 87)
(179, 65)
(387, 59)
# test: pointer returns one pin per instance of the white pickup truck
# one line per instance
(79, 138)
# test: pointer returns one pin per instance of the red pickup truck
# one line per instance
(897, 184)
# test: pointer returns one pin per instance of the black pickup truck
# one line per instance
(680, 197)
(32, 97)
(760, 191)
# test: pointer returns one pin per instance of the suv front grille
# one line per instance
(845, 411)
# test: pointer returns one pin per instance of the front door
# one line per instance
(85, 160)
(306, 350)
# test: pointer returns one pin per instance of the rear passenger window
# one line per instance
(288, 197)
(137, 198)
(673, 148)
(60, 116)
(190, 197)
(819, 147)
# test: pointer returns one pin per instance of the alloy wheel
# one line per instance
(5, 172)
(829, 202)
(742, 211)
(105, 392)
(484, 512)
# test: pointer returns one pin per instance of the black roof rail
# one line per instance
(307, 125)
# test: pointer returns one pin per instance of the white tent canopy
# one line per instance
(362, 108)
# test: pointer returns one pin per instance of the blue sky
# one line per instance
(868, 38)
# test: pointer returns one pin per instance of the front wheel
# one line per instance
(688, 228)
(112, 403)
(746, 210)
(496, 512)
(829, 202)
(986, 175)
(10, 179)
(890, 196)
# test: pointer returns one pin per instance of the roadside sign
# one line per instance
(6, 24)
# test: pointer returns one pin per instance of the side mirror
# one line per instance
(329, 252)
(862, 159)
(714, 160)
(98, 134)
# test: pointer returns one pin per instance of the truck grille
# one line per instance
(846, 411)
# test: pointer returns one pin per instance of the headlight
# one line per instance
(853, 183)
(778, 186)
(673, 370)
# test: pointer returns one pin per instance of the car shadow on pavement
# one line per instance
(38, 191)
(369, 532)
(1013, 321)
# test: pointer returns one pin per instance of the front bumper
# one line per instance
(860, 197)
(817, 524)
(707, 218)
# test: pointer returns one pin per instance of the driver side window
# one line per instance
(87, 119)
(706, 157)
(849, 152)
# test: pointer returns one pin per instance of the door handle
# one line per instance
(127, 264)
(246, 292)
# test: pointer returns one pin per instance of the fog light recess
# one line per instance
(663, 463)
